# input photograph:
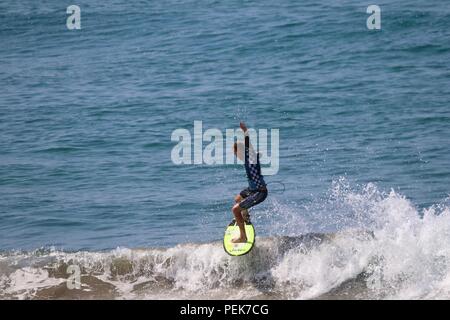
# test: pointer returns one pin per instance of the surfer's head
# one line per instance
(238, 150)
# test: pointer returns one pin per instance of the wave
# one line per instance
(397, 253)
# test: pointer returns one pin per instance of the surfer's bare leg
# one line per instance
(240, 222)
(244, 212)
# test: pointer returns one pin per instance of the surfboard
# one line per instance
(238, 249)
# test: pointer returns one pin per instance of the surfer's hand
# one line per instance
(242, 125)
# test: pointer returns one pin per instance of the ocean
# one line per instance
(359, 207)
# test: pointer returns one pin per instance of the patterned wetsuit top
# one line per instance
(253, 167)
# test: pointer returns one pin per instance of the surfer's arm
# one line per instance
(248, 158)
(247, 147)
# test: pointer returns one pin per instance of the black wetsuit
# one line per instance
(257, 190)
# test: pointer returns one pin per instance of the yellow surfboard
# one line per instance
(238, 249)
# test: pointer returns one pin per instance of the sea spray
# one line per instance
(389, 250)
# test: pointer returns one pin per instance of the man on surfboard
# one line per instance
(256, 191)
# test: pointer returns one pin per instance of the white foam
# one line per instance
(24, 282)
(407, 256)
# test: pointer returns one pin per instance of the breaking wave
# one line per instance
(391, 251)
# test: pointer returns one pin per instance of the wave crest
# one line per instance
(391, 251)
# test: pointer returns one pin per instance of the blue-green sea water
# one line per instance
(86, 118)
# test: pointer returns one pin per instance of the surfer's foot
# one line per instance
(239, 240)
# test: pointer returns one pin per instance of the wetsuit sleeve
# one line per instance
(247, 147)
(250, 156)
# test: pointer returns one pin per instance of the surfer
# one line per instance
(256, 191)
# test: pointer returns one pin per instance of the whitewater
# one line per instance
(391, 250)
